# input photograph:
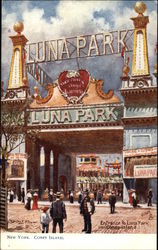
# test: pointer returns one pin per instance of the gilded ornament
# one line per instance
(24, 80)
(140, 7)
(125, 70)
(18, 27)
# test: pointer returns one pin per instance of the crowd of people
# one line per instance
(57, 210)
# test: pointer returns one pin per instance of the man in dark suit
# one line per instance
(87, 208)
(112, 201)
(58, 213)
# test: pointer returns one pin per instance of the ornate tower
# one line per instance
(140, 64)
(18, 82)
(140, 114)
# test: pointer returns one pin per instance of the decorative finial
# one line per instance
(35, 91)
(18, 27)
(125, 70)
(24, 81)
(140, 7)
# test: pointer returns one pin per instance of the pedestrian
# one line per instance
(99, 196)
(95, 194)
(11, 195)
(51, 195)
(45, 220)
(29, 198)
(23, 195)
(35, 201)
(79, 197)
(58, 213)
(150, 195)
(134, 199)
(112, 201)
(8, 197)
(19, 194)
(71, 197)
(69, 193)
(87, 208)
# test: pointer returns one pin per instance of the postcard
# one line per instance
(78, 125)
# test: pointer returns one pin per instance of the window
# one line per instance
(93, 159)
(86, 159)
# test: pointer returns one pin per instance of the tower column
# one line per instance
(36, 165)
(73, 171)
(55, 169)
(47, 168)
(18, 76)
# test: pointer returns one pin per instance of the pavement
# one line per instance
(126, 219)
(104, 204)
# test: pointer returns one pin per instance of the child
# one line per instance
(45, 219)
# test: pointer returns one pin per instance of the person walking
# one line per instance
(29, 198)
(112, 201)
(95, 194)
(79, 197)
(87, 208)
(35, 201)
(23, 195)
(99, 197)
(51, 195)
(45, 220)
(150, 195)
(71, 197)
(58, 213)
(11, 195)
(134, 199)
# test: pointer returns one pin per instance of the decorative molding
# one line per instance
(50, 88)
(101, 93)
(144, 90)
(81, 125)
(140, 135)
(139, 121)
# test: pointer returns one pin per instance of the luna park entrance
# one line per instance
(76, 117)
(67, 145)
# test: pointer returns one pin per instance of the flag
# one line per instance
(36, 74)
(123, 51)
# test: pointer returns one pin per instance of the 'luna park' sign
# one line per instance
(76, 115)
(105, 43)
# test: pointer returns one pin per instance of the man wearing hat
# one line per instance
(58, 213)
(112, 201)
(87, 208)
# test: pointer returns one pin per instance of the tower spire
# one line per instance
(140, 65)
(18, 76)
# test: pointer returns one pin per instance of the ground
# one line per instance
(124, 220)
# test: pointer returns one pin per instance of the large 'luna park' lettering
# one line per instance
(106, 114)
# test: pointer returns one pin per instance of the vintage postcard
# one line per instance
(78, 157)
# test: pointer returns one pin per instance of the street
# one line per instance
(124, 220)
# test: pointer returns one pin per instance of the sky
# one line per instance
(49, 20)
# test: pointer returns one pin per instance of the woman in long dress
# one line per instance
(29, 198)
(35, 201)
